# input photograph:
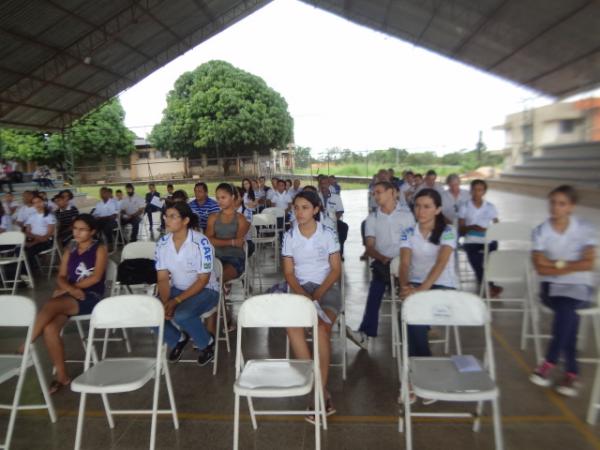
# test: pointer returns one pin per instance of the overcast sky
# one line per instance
(346, 85)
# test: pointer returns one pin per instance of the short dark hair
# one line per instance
(568, 191)
(129, 185)
(386, 185)
(170, 185)
(201, 184)
(431, 172)
(118, 191)
(88, 219)
(479, 181)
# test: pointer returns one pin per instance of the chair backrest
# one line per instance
(139, 249)
(278, 311)
(508, 231)
(395, 266)
(507, 263)
(110, 279)
(12, 238)
(264, 220)
(445, 307)
(277, 212)
(128, 311)
(218, 269)
(16, 311)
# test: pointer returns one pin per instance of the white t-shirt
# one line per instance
(436, 186)
(424, 255)
(247, 200)
(196, 256)
(24, 212)
(482, 216)
(39, 223)
(568, 246)
(131, 205)
(451, 204)
(387, 229)
(280, 199)
(406, 187)
(6, 222)
(332, 205)
(106, 209)
(310, 255)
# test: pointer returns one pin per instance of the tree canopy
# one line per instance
(221, 111)
(99, 134)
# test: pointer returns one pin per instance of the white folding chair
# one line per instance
(264, 232)
(135, 250)
(17, 240)
(278, 213)
(118, 235)
(18, 311)
(221, 317)
(243, 277)
(119, 375)
(594, 315)
(55, 253)
(439, 378)
(278, 378)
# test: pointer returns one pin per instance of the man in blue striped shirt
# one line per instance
(203, 206)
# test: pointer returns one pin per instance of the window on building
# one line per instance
(567, 126)
(143, 155)
(527, 133)
(125, 163)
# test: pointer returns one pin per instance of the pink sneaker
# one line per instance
(541, 375)
(569, 386)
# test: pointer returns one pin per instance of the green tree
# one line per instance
(302, 157)
(221, 111)
(24, 145)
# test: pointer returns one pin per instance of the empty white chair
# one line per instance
(264, 232)
(118, 235)
(440, 378)
(277, 378)
(119, 375)
(18, 311)
(243, 277)
(16, 239)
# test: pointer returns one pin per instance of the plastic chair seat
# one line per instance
(10, 366)
(269, 377)
(438, 378)
(111, 376)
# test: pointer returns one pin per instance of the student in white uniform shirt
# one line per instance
(334, 209)
(295, 188)
(248, 214)
(280, 199)
(39, 229)
(474, 218)
(453, 198)
(5, 220)
(426, 260)
(312, 267)
(248, 195)
(132, 208)
(187, 285)
(564, 254)
(9, 203)
(106, 213)
(429, 182)
(25, 210)
(383, 231)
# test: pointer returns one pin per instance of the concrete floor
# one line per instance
(533, 418)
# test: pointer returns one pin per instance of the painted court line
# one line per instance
(569, 415)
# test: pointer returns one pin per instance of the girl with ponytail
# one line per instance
(426, 259)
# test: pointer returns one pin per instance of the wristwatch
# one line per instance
(560, 264)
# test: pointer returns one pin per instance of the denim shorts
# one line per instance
(237, 263)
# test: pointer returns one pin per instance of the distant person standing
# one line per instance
(153, 204)
(203, 206)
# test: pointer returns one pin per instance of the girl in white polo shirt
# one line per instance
(187, 285)
(474, 218)
(564, 252)
(312, 266)
(39, 229)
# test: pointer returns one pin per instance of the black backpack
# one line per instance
(137, 271)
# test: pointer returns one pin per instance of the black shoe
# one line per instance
(207, 355)
(177, 351)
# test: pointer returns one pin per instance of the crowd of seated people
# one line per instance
(412, 217)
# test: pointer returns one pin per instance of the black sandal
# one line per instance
(56, 386)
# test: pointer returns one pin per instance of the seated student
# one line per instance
(25, 210)
(170, 190)
(5, 220)
(334, 185)
(383, 231)
(295, 188)
(453, 198)
(248, 214)
(187, 285)
(474, 217)
(312, 266)
(249, 197)
(334, 208)
(288, 185)
(132, 208)
(106, 213)
(80, 286)
(426, 260)
(429, 182)
(261, 192)
(118, 199)
(65, 215)
(279, 198)
(564, 254)
(227, 230)
(203, 206)
(39, 229)
(9, 203)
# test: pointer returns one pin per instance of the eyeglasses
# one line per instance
(172, 216)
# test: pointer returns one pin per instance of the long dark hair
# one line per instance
(250, 191)
(184, 211)
(88, 219)
(440, 220)
(313, 199)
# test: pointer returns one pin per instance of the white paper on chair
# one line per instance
(324, 317)
(466, 363)
(156, 201)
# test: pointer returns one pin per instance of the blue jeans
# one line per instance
(475, 256)
(379, 281)
(564, 329)
(187, 316)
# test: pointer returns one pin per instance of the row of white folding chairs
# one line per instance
(14, 241)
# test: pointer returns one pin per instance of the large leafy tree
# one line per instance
(99, 134)
(222, 111)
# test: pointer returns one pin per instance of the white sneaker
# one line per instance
(358, 337)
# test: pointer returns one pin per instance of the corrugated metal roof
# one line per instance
(61, 58)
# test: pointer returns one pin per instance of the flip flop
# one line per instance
(56, 386)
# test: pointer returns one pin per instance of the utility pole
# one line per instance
(479, 148)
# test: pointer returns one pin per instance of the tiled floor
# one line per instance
(534, 418)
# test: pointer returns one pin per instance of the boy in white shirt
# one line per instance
(106, 213)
